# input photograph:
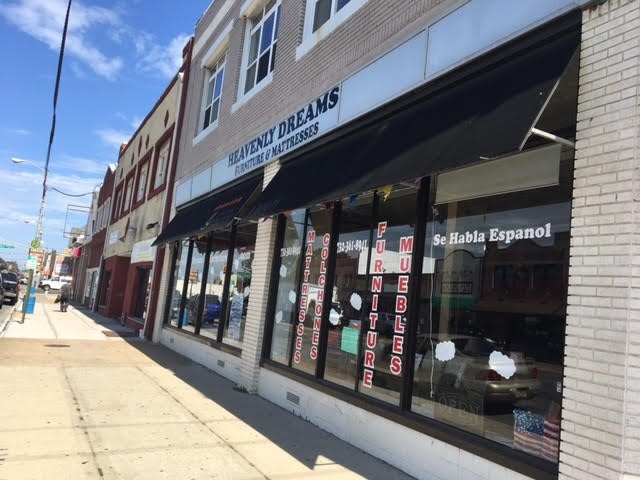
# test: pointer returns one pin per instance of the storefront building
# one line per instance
(97, 223)
(139, 190)
(419, 235)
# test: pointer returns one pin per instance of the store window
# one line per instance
(191, 320)
(349, 291)
(212, 273)
(212, 92)
(239, 290)
(214, 290)
(465, 328)
(175, 295)
(289, 268)
(261, 43)
(489, 347)
(311, 292)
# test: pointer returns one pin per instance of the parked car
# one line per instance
(53, 283)
(11, 287)
(212, 309)
(463, 370)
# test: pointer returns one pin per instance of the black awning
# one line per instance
(214, 212)
(483, 115)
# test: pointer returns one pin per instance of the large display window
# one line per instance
(211, 284)
(288, 267)
(443, 299)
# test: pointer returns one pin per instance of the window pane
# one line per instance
(341, 3)
(214, 110)
(316, 249)
(263, 66)
(267, 32)
(218, 83)
(287, 288)
(253, 46)
(275, 33)
(493, 303)
(269, 5)
(390, 268)
(215, 283)
(350, 293)
(207, 118)
(251, 77)
(322, 13)
(178, 281)
(240, 285)
(195, 282)
(210, 85)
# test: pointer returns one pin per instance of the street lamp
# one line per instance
(37, 241)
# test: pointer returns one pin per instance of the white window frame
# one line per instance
(252, 27)
(310, 38)
(211, 75)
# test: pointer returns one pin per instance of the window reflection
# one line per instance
(237, 296)
(180, 265)
(212, 311)
(349, 291)
(312, 290)
(287, 288)
(491, 322)
(194, 283)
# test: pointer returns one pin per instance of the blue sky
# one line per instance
(119, 57)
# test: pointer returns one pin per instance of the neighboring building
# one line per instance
(137, 211)
(414, 226)
(91, 256)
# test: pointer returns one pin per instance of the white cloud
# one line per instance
(17, 131)
(164, 59)
(44, 20)
(113, 137)
(87, 166)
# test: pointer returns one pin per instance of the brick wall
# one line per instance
(329, 62)
(601, 407)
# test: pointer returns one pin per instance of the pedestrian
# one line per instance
(65, 295)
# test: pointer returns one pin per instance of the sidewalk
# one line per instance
(79, 403)
(47, 321)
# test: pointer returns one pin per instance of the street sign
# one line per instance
(31, 264)
(3, 245)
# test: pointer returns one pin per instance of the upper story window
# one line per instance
(262, 38)
(117, 204)
(212, 92)
(142, 182)
(322, 17)
(161, 165)
(324, 10)
(128, 190)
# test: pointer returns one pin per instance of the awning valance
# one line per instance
(214, 212)
(482, 115)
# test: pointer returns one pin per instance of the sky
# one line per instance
(119, 57)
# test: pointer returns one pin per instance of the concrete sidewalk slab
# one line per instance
(118, 408)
